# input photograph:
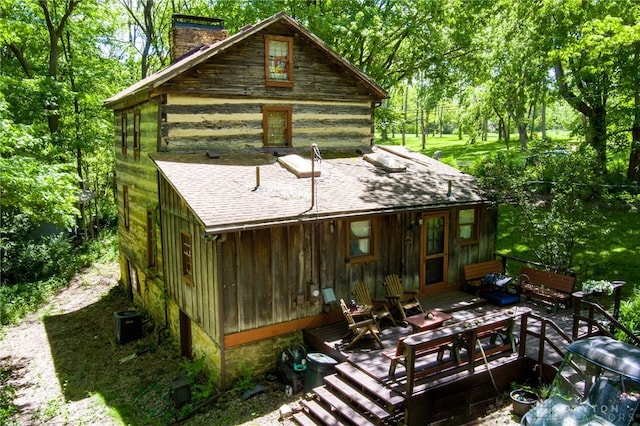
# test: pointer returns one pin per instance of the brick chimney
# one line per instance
(192, 32)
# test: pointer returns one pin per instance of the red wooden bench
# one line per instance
(547, 286)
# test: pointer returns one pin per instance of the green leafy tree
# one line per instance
(590, 45)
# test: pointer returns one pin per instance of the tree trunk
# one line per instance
(633, 171)
(423, 128)
(597, 136)
(543, 120)
(52, 106)
(404, 115)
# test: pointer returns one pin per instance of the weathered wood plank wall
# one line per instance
(218, 104)
(198, 298)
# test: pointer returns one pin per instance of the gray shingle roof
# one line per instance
(222, 191)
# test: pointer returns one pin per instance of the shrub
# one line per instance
(630, 315)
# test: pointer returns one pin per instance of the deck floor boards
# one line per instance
(366, 354)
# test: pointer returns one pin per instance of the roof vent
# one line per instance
(386, 162)
(301, 167)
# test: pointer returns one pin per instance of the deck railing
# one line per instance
(598, 321)
(543, 336)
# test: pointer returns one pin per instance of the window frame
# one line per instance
(266, 110)
(288, 82)
(364, 257)
(475, 228)
(123, 133)
(186, 259)
(126, 207)
(136, 134)
(152, 238)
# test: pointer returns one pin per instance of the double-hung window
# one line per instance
(125, 206)
(360, 241)
(276, 125)
(123, 132)
(186, 258)
(278, 61)
(468, 226)
(136, 134)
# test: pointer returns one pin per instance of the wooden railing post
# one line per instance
(577, 309)
(524, 319)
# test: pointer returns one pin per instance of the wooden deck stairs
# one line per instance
(350, 397)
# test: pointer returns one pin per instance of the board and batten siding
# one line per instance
(266, 274)
(139, 174)
(197, 299)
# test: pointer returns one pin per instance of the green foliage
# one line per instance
(202, 386)
(7, 394)
(34, 269)
(552, 199)
(630, 314)
(32, 182)
(246, 381)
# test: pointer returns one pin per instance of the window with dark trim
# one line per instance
(123, 132)
(278, 61)
(125, 206)
(360, 241)
(133, 279)
(136, 134)
(186, 259)
(276, 125)
(468, 226)
(152, 245)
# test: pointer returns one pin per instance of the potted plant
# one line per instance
(597, 287)
(523, 399)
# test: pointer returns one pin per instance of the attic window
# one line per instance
(385, 162)
(278, 61)
(301, 167)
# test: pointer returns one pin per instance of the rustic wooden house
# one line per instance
(248, 182)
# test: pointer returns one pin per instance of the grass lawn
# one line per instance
(611, 254)
(459, 152)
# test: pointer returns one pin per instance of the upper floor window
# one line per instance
(276, 126)
(278, 61)
(123, 132)
(186, 258)
(360, 240)
(468, 226)
(136, 133)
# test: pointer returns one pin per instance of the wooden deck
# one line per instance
(432, 397)
(329, 339)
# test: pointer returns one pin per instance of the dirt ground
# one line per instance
(67, 368)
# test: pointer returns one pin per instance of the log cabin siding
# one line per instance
(201, 123)
(139, 174)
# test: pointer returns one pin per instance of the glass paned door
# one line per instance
(435, 251)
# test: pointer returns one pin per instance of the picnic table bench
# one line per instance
(412, 351)
(547, 286)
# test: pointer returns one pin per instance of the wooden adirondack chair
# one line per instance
(379, 308)
(397, 296)
(359, 329)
